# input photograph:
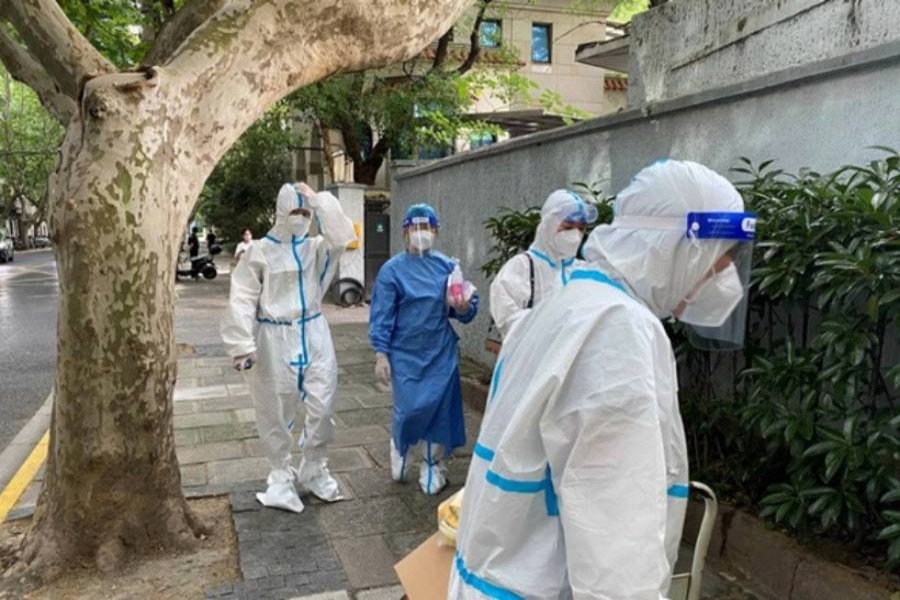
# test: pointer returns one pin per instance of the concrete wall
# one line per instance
(820, 115)
(686, 46)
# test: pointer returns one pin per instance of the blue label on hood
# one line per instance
(722, 225)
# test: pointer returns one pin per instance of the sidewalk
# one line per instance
(329, 552)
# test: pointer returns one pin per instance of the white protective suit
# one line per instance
(579, 479)
(511, 288)
(275, 312)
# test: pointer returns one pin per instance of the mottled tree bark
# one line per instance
(138, 148)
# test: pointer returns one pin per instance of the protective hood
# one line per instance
(288, 199)
(560, 206)
(662, 263)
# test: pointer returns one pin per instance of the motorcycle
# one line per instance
(203, 266)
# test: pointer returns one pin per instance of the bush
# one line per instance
(803, 422)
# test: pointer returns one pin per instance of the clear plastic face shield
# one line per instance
(578, 215)
(714, 310)
(420, 234)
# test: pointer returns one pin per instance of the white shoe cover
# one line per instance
(398, 464)
(433, 477)
(281, 492)
(317, 480)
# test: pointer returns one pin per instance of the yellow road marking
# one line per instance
(20, 481)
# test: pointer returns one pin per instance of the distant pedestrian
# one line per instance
(193, 243)
(244, 245)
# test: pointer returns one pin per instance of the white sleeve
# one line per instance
(239, 323)
(509, 293)
(334, 225)
(607, 462)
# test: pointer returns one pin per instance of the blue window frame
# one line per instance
(541, 43)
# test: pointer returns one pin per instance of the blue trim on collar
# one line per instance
(599, 277)
(538, 254)
(272, 238)
(297, 241)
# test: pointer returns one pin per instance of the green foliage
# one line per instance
(29, 141)
(803, 423)
(241, 191)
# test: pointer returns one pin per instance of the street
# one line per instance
(28, 292)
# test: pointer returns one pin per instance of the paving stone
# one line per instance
(354, 389)
(367, 517)
(203, 453)
(225, 403)
(203, 419)
(380, 453)
(184, 408)
(339, 595)
(193, 475)
(376, 400)
(184, 383)
(346, 402)
(255, 572)
(245, 415)
(187, 437)
(199, 393)
(386, 593)
(359, 418)
(367, 561)
(402, 544)
(341, 460)
(357, 436)
(198, 372)
(238, 389)
(231, 431)
(369, 483)
(238, 469)
(230, 376)
(224, 362)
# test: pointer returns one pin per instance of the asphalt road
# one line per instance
(28, 293)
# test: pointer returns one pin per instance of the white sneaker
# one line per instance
(398, 464)
(317, 480)
(281, 492)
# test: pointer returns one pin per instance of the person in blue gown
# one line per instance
(416, 349)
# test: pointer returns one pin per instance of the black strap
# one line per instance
(531, 277)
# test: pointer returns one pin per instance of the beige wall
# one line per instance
(579, 85)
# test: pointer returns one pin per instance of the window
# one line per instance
(541, 42)
(491, 33)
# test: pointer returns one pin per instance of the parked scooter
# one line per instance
(201, 265)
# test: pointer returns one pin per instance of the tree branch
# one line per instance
(65, 55)
(440, 54)
(474, 40)
(251, 53)
(25, 69)
(179, 28)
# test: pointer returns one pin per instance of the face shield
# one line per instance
(420, 234)
(714, 310)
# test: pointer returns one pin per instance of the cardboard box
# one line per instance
(425, 572)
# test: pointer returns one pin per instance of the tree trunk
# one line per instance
(119, 197)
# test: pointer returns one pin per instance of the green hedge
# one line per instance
(804, 422)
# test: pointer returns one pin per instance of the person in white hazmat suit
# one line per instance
(275, 331)
(579, 479)
(531, 276)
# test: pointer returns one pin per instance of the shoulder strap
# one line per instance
(531, 279)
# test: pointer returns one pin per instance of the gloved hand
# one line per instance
(238, 361)
(466, 305)
(382, 368)
(308, 193)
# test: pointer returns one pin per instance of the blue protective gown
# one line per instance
(410, 322)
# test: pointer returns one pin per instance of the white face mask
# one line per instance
(711, 305)
(298, 225)
(567, 242)
(421, 240)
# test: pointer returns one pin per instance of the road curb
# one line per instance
(19, 449)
